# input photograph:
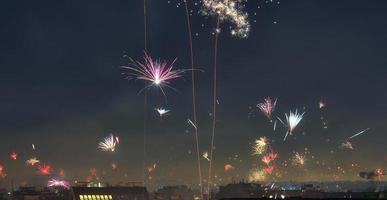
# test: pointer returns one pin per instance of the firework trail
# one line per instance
(32, 161)
(108, 144)
(267, 107)
(194, 97)
(232, 11)
(260, 146)
(58, 183)
(162, 111)
(292, 120)
(191, 123)
(359, 133)
(214, 103)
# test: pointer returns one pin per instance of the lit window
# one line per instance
(110, 197)
(89, 197)
(80, 196)
(106, 196)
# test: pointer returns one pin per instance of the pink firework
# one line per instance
(2, 171)
(13, 156)
(58, 183)
(267, 159)
(44, 169)
(267, 107)
(156, 72)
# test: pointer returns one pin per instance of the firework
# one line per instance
(228, 168)
(108, 144)
(32, 161)
(232, 11)
(347, 145)
(2, 171)
(58, 183)
(154, 71)
(44, 169)
(359, 133)
(256, 175)
(162, 111)
(267, 159)
(205, 156)
(191, 123)
(260, 146)
(321, 104)
(298, 159)
(114, 166)
(267, 107)
(292, 120)
(13, 156)
(269, 169)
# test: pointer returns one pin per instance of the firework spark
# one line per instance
(2, 171)
(232, 11)
(292, 120)
(162, 111)
(321, 104)
(13, 156)
(269, 169)
(347, 145)
(267, 107)
(32, 161)
(154, 71)
(256, 175)
(108, 144)
(228, 168)
(206, 156)
(298, 159)
(191, 123)
(260, 146)
(359, 133)
(267, 159)
(58, 183)
(44, 169)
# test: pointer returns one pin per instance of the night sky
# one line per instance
(62, 88)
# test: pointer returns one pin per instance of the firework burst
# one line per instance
(232, 11)
(13, 156)
(154, 71)
(257, 175)
(32, 161)
(267, 107)
(162, 111)
(268, 158)
(109, 143)
(44, 169)
(298, 159)
(292, 120)
(58, 183)
(260, 146)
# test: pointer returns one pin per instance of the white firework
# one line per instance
(292, 120)
(108, 144)
(232, 11)
(162, 111)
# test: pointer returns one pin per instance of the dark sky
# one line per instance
(62, 88)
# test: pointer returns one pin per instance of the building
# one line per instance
(41, 193)
(110, 193)
(180, 192)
